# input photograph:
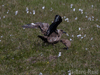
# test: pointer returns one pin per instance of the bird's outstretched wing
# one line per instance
(32, 25)
(43, 26)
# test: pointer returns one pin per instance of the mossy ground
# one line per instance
(23, 53)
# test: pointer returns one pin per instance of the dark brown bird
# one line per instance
(43, 26)
(51, 34)
(66, 42)
(55, 38)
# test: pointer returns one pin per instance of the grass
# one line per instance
(22, 53)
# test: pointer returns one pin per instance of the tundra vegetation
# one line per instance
(23, 53)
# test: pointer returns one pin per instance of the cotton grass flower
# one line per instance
(92, 18)
(40, 73)
(79, 28)
(70, 39)
(89, 18)
(71, 5)
(79, 35)
(67, 19)
(86, 49)
(43, 7)
(27, 10)
(86, 16)
(85, 35)
(3, 16)
(92, 6)
(81, 10)
(59, 54)
(85, 12)
(97, 26)
(91, 38)
(33, 12)
(75, 18)
(64, 16)
(30, 12)
(67, 34)
(69, 72)
(2, 5)
(23, 28)
(11, 35)
(16, 12)
(13, 58)
(96, 19)
(73, 9)
(51, 9)
(1, 36)
(72, 35)
(7, 11)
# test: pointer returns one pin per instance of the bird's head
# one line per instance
(60, 31)
(58, 19)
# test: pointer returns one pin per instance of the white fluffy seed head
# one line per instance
(59, 54)
(27, 9)
(43, 7)
(75, 18)
(74, 9)
(33, 12)
(70, 39)
(79, 28)
(79, 35)
(16, 12)
(3, 16)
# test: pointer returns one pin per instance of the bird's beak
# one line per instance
(64, 32)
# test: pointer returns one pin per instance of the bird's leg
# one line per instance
(44, 38)
(65, 48)
(40, 28)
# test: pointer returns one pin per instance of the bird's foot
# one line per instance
(66, 48)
